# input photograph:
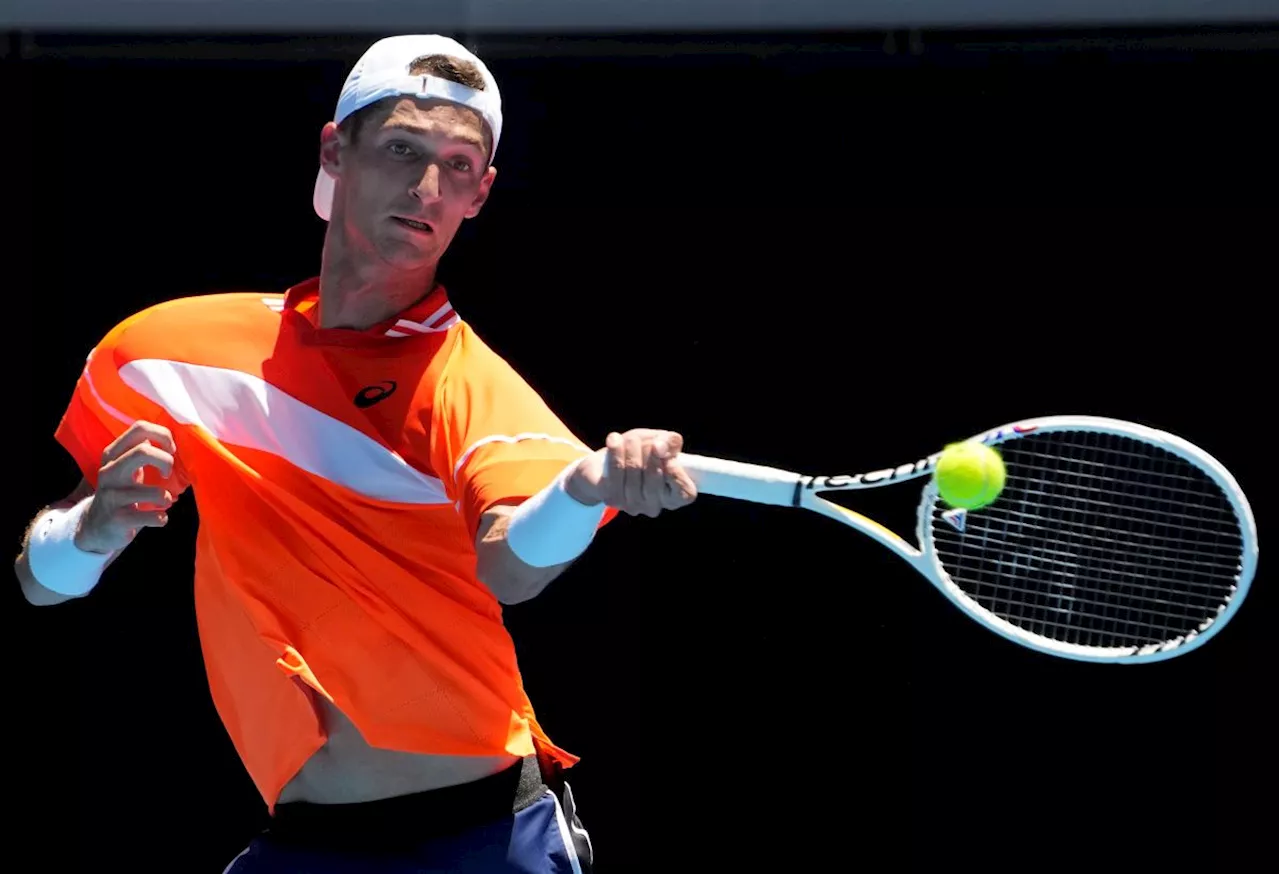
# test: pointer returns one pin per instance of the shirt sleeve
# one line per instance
(103, 406)
(494, 438)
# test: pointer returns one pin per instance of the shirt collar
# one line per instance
(433, 314)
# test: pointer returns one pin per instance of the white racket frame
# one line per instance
(767, 485)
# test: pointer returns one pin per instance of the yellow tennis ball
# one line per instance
(969, 475)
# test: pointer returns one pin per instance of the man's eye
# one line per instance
(462, 165)
(400, 150)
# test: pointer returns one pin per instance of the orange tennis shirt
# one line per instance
(339, 476)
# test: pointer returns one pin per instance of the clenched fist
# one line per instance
(637, 472)
(121, 505)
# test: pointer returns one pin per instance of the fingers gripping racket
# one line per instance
(1111, 542)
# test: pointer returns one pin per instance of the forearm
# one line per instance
(520, 550)
(509, 578)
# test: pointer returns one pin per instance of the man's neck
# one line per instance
(358, 291)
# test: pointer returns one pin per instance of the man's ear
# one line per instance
(482, 194)
(331, 149)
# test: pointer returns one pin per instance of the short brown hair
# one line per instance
(441, 66)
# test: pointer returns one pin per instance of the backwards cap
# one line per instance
(383, 71)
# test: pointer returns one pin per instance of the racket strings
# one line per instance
(1176, 557)
(1216, 556)
(1087, 493)
(1097, 540)
(1076, 599)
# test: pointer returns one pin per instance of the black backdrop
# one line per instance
(827, 253)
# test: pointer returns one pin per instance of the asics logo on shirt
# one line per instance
(370, 395)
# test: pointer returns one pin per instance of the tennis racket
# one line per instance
(1111, 542)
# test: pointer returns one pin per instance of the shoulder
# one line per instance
(187, 321)
(468, 353)
(187, 313)
(468, 359)
(478, 381)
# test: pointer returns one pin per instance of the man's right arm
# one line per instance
(68, 544)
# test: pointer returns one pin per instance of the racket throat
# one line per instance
(956, 518)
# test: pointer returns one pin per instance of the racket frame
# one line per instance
(765, 485)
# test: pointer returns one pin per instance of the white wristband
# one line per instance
(552, 527)
(56, 562)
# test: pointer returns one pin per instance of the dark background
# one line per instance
(825, 252)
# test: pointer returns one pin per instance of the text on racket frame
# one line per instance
(915, 468)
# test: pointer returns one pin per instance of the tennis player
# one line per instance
(374, 483)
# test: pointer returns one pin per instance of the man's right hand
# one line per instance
(122, 505)
(638, 472)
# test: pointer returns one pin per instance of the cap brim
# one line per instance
(322, 200)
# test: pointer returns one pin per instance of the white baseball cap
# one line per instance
(383, 71)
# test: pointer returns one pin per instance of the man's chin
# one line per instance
(410, 254)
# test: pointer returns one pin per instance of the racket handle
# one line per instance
(744, 482)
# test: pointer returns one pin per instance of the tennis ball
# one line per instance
(969, 475)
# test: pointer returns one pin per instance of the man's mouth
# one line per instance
(416, 225)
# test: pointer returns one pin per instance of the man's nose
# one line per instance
(427, 187)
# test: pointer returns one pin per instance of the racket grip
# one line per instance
(741, 481)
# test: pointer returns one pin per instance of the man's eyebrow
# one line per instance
(410, 127)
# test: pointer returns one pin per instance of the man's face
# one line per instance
(415, 170)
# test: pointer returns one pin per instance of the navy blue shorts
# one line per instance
(515, 821)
